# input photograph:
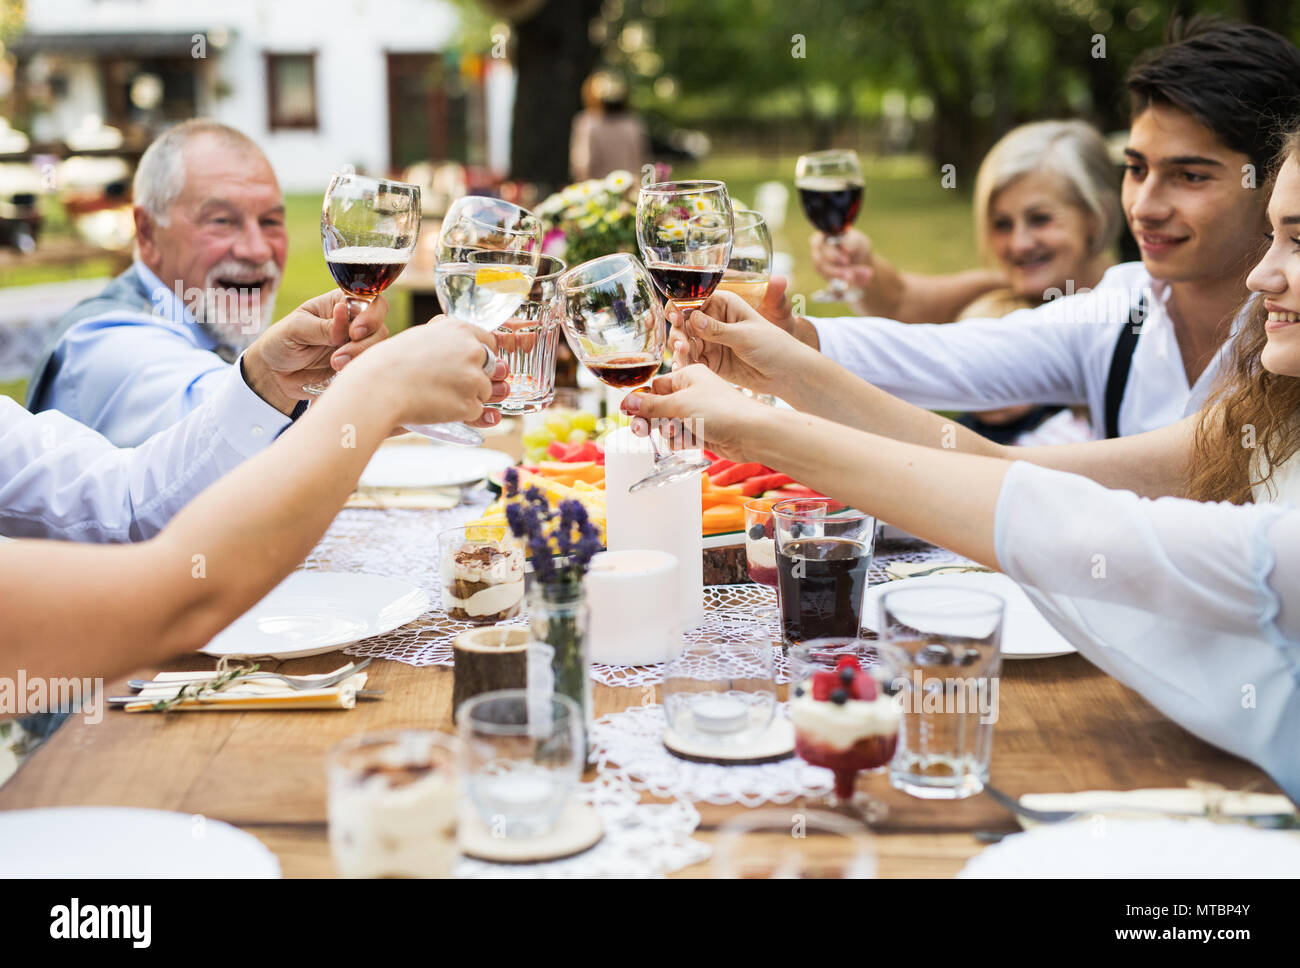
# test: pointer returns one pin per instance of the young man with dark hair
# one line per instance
(1142, 349)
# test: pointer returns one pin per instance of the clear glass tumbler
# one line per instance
(943, 647)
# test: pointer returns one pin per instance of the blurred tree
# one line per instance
(553, 54)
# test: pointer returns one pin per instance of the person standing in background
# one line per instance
(606, 136)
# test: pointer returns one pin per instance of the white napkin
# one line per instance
(1185, 801)
(245, 693)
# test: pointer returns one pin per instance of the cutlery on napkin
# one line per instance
(246, 693)
(898, 570)
(403, 499)
(1196, 801)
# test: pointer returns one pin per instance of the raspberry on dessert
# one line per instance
(823, 684)
(864, 687)
(850, 661)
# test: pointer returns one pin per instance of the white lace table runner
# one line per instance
(641, 840)
(629, 745)
(404, 544)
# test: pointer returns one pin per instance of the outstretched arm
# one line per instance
(96, 611)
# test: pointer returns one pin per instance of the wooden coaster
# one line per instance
(774, 745)
(579, 829)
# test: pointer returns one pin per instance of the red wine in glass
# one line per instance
(831, 204)
(365, 270)
(626, 371)
(687, 286)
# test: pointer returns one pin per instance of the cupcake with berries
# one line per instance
(843, 718)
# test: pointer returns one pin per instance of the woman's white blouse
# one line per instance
(1196, 606)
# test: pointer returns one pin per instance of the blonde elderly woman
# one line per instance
(1046, 218)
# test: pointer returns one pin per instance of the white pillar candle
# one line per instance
(668, 518)
(633, 598)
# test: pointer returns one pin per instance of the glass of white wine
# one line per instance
(750, 267)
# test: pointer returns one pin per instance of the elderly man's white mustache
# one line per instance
(237, 301)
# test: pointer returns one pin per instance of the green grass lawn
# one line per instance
(910, 219)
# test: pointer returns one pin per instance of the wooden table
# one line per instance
(1064, 726)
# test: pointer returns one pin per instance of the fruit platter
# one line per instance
(566, 460)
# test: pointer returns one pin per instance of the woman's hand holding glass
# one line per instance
(694, 407)
(738, 343)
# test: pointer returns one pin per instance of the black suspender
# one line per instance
(1120, 363)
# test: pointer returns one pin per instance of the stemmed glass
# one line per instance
(830, 190)
(750, 267)
(487, 258)
(368, 228)
(614, 322)
(684, 230)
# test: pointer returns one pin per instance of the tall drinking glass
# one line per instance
(823, 551)
(750, 267)
(368, 228)
(943, 646)
(830, 191)
(614, 323)
(528, 341)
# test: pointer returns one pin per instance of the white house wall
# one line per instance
(350, 39)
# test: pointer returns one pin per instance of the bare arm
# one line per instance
(939, 495)
(882, 289)
(77, 610)
(751, 352)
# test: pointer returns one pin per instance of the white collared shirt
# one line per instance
(130, 374)
(1194, 605)
(59, 479)
(1059, 352)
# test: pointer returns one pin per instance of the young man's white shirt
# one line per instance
(1059, 352)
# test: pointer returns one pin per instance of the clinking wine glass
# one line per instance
(487, 258)
(368, 227)
(750, 267)
(830, 191)
(614, 322)
(684, 230)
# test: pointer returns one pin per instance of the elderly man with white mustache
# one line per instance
(160, 338)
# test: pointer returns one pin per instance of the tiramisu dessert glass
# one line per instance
(844, 719)
(760, 551)
(482, 574)
(393, 804)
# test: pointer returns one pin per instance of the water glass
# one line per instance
(528, 342)
(943, 647)
(721, 694)
(521, 756)
(393, 804)
(823, 551)
(793, 844)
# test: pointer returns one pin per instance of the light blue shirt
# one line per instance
(59, 479)
(129, 375)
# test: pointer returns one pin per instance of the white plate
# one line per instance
(1106, 847)
(430, 465)
(312, 612)
(127, 842)
(1025, 633)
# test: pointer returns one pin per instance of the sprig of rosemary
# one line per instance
(201, 689)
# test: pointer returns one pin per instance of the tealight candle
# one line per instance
(719, 714)
(667, 518)
(633, 598)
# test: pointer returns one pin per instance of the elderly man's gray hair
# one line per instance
(160, 176)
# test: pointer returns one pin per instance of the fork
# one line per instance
(296, 683)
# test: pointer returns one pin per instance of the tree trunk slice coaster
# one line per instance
(772, 746)
(578, 830)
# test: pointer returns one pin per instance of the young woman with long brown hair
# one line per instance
(1183, 582)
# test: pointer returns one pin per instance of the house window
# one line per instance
(291, 91)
